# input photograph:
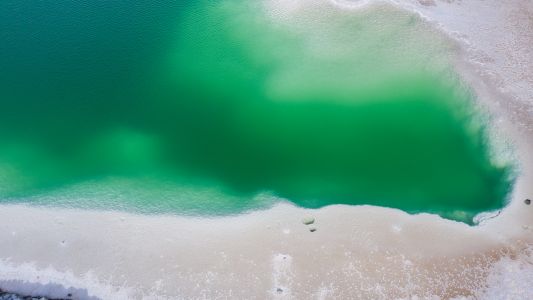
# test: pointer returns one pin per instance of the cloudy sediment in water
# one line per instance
(317, 104)
(227, 122)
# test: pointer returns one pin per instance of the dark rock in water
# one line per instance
(527, 201)
(312, 229)
(279, 290)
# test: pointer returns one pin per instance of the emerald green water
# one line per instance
(218, 107)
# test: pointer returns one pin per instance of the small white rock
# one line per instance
(308, 220)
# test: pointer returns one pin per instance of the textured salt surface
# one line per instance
(360, 252)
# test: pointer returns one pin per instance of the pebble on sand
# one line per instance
(312, 229)
(308, 220)
(527, 201)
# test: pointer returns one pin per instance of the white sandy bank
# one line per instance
(356, 252)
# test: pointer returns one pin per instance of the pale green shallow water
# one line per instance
(199, 107)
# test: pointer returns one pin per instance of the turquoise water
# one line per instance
(219, 107)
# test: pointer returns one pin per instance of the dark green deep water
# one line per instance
(200, 106)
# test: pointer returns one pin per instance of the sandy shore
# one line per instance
(361, 252)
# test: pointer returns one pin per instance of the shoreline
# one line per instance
(13, 296)
(359, 247)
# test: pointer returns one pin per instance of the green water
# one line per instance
(218, 107)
